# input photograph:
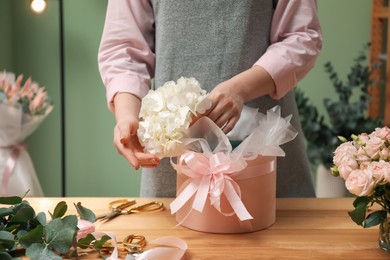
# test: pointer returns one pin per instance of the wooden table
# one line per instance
(304, 229)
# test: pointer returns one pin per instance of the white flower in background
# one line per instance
(166, 114)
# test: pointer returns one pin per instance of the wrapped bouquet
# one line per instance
(22, 109)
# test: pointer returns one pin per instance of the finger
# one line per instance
(129, 156)
(230, 125)
(123, 132)
(145, 158)
(125, 151)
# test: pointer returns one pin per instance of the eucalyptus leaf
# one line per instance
(41, 218)
(10, 200)
(59, 210)
(23, 215)
(375, 218)
(85, 213)
(86, 241)
(5, 256)
(34, 236)
(7, 240)
(99, 243)
(59, 233)
(5, 212)
(358, 215)
(41, 252)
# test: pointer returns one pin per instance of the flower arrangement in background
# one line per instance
(23, 107)
(32, 99)
(364, 164)
(166, 115)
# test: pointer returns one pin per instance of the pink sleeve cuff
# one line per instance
(281, 71)
(131, 85)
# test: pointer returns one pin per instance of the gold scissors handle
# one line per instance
(148, 207)
(121, 204)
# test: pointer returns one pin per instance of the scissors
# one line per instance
(121, 207)
(132, 244)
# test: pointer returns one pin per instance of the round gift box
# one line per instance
(257, 183)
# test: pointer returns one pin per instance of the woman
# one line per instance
(250, 52)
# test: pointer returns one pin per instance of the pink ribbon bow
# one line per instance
(210, 175)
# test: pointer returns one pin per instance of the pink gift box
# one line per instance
(257, 185)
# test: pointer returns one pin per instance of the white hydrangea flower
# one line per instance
(166, 114)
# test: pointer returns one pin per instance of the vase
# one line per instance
(384, 234)
(328, 186)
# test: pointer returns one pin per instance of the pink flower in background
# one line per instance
(347, 166)
(345, 151)
(366, 171)
(378, 170)
(382, 133)
(373, 146)
(32, 99)
(360, 183)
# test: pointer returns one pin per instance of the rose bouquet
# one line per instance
(364, 164)
(22, 109)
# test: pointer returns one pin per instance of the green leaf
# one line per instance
(86, 241)
(23, 215)
(99, 243)
(10, 200)
(358, 214)
(5, 256)
(7, 240)
(59, 210)
(59, 233)
(361, 201)
(41, 252)
(375, 218)
(85, 213)
(5, 212)
(34, 236)
(41, 218)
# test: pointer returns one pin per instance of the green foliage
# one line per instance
(347, 115)
(21, 228)
(381, 196)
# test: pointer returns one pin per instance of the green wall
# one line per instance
(346, 29)
(6, 36)
(93, 167)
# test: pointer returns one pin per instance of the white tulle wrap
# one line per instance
(17, 173)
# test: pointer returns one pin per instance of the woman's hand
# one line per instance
(228, 98)
(125, 132)
(226, 105)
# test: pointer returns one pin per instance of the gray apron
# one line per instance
(214, 40)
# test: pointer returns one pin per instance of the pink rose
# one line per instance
(85, 228)
(384, 154)
(360, 183)
(373, 146)
(382, 133)
(344, 151)
(361, 140)
(346, 167)
(378, 170)
(361, 156)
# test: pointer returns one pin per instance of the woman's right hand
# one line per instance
(125, 132)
